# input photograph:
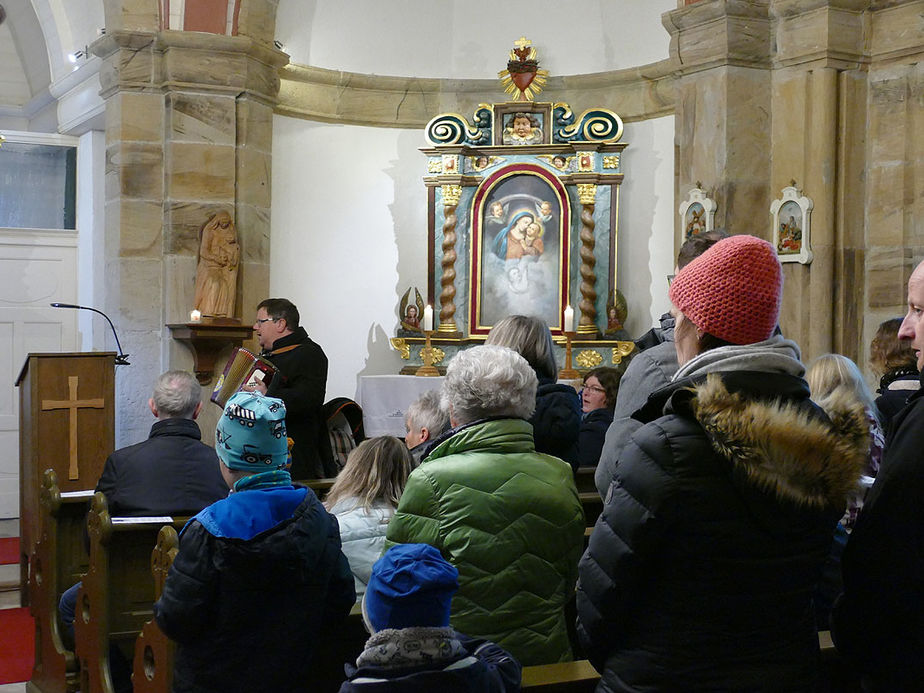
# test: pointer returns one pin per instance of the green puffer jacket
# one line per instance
(510, 520)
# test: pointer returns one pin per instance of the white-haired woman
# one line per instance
(557, 417)
(505, 515)
(700, 571)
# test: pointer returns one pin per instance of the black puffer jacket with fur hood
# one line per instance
(700, 571)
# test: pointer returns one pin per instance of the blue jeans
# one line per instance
(67, 609)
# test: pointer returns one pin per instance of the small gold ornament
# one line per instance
(587, 193)
(589, 359)
(452, 194)
(622, 350)
(402, 347)
(611, 161)
(436, 355)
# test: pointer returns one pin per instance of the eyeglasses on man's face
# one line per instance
(594, 388)
(260, 321)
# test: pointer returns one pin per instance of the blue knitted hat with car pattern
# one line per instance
(251, 433)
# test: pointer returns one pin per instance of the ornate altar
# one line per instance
(523, 204)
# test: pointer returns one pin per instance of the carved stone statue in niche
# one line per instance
(216, 273)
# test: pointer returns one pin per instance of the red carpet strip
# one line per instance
(17, 645)
(9, 550)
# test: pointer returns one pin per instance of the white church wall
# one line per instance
(450, 39)
(349, 234)
(647, 215)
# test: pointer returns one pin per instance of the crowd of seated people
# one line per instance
(731, 491)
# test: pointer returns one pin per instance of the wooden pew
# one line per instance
(152, 667)
(117, 595)
(59, 561)
(584, 479)
(592, 504)
(580, 677)
(319, 486)
(564, 677)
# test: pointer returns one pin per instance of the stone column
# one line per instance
(723, 105)
(771, 92)
(188, 134)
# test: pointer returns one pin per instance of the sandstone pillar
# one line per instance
(188, 134)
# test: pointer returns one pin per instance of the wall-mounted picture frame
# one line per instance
(792, 222)
(519, 251)
(697, 215)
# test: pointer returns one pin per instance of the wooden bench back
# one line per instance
(117, 595)
(152, 666)
(57, 563)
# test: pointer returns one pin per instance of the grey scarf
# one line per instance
(774, 355)
(410, 647)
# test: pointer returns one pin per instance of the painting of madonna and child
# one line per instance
(519, 259)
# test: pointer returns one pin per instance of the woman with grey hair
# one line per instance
(506, 516)
(557, 417)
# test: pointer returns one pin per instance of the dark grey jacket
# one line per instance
(646, 373)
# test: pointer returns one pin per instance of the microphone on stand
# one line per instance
(121, 359)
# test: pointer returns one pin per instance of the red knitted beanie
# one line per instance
(733, 290)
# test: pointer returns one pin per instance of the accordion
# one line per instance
(243, 368)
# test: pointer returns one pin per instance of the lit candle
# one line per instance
(428, 318)
(569, 319)
(195, 316)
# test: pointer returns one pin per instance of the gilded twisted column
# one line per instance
(451, 195)
(587, 193)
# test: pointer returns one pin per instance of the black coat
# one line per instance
(302, 387)
(878, 622)
(592, 435)
(557, 421)
(170, 473)
(700, 570)
(247, 614)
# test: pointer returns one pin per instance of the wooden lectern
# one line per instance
(66, 423)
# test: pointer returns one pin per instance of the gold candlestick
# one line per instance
(428, 369)
(568, 373)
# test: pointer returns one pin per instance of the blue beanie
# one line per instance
(411, 585)
(251, 433)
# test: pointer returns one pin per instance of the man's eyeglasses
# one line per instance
(595, 389)
(260, 321)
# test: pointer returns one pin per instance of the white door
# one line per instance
(36, 268)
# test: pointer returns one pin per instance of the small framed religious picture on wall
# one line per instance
(792, 223)
(697, 214)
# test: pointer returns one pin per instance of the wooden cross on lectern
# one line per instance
(73, 404)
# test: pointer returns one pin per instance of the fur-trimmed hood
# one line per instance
(786, 446)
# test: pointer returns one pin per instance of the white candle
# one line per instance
(569, 319)
(428, 318)
(195, 316)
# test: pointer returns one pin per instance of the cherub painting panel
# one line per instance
(523, 128)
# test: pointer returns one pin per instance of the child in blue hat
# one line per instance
(413, 647)
(260, 573)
